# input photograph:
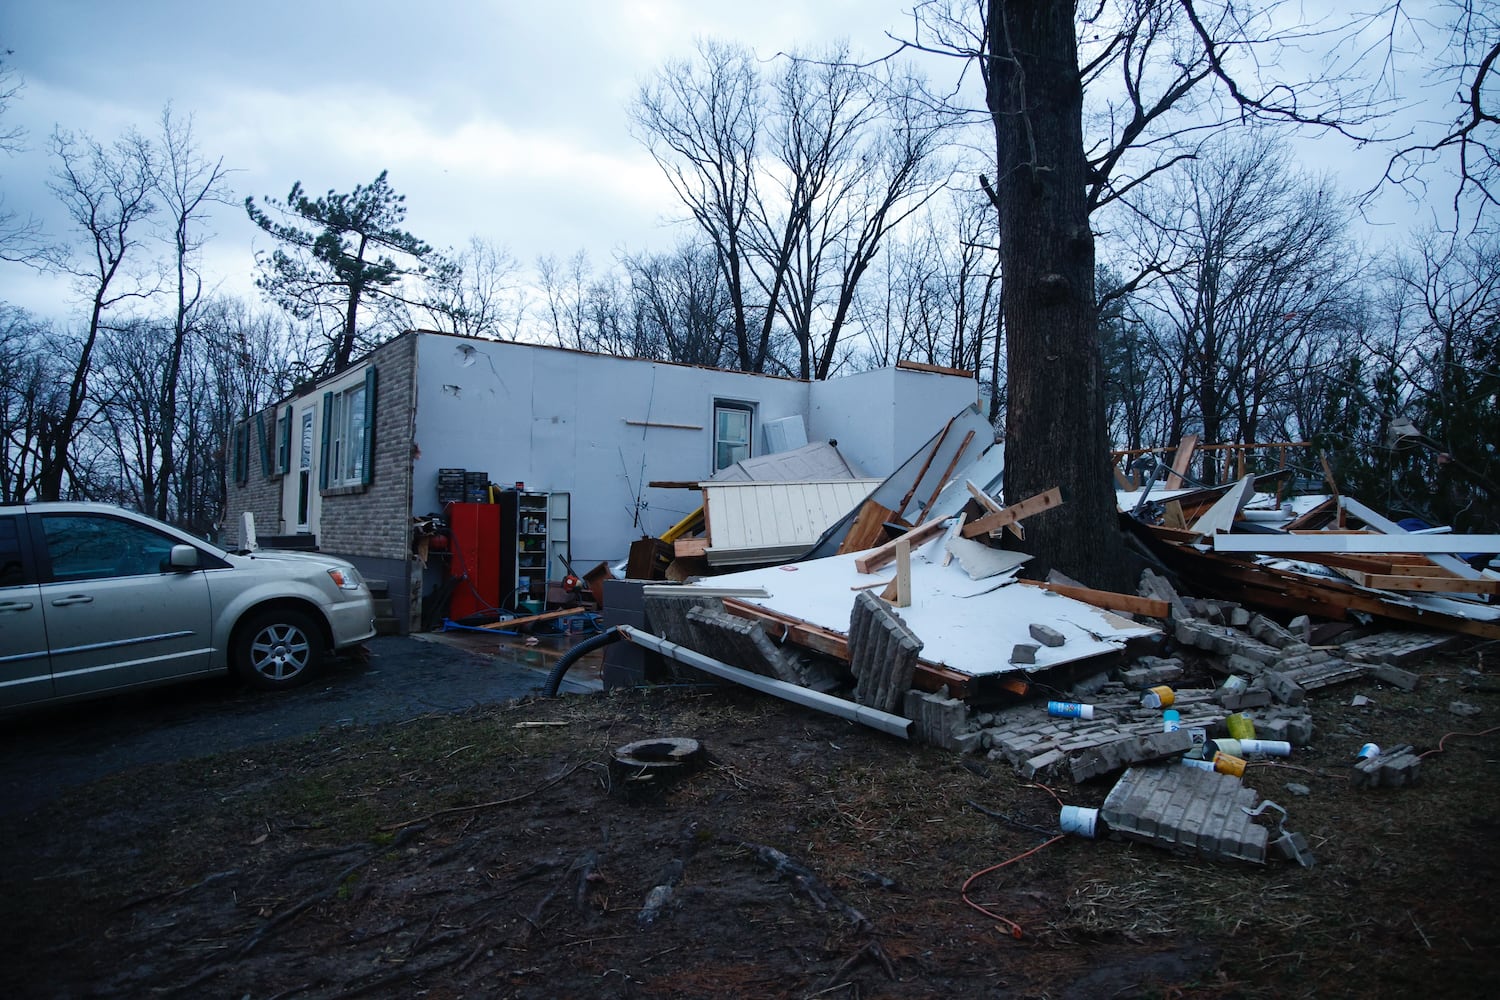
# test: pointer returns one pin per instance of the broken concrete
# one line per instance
(882, 653)
(1187, 809)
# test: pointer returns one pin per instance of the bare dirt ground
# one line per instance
(489, 853)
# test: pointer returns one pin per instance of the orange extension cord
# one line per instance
(1015, 928)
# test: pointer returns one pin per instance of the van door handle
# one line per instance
(15, 606)
(72, 599)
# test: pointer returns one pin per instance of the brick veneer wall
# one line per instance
(368, 525)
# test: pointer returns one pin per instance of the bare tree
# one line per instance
(1468, 143)
(476, 292)
(187, 186)
(1183, 68)
(1257, 267)
(679, 298)
(564, 293)
(20, 238)
(107, 191)
(701, 123)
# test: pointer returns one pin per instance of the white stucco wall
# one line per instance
(557, 420)
(879, 418)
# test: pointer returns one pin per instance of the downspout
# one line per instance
(886, 722)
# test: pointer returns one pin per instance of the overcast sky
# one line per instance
(504, 120)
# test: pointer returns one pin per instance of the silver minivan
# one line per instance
(96, 599)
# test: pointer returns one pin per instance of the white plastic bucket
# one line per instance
(1079, 820)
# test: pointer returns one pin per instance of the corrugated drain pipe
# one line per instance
(886, 722)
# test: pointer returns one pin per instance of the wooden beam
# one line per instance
(943, 480)
(532, 619)
(1015, 512)
(876, 558)
(936, 446)
(1181, 461)
(1423, 584)
(1329, 541)
(686, 548)
(1106, 599)
(674, 427)
(868, 529)
(919, 366)
(927, 676)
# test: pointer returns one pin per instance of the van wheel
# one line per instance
(278, 649)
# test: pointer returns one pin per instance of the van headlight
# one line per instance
(344, 579)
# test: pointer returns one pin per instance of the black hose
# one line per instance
(593, 642)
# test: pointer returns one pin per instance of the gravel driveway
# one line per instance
(44, 752)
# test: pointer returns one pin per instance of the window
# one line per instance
(349, 434)
(304, 470)
(90, 547)
(11, 572)
(732, 424)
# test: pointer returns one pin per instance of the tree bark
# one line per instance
(1055, 433)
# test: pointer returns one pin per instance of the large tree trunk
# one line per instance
(1055, 434)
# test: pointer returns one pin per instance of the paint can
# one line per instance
(1158, 697)
(1079, 820)
(1171, 721)
(1228, 745)
(1368, 751)
(1240, 726)
(1229, 764)
(1070, 710)
(1271, 748)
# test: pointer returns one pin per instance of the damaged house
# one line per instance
(350, 463)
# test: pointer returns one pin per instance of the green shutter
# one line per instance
(284, 448)
(327, 433)
(263, 440)
(368, 472)
(241, 453)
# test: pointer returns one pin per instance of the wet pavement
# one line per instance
(46, 751)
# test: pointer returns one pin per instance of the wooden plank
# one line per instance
(936, 446)
(655, 423)
(1181, 461)
(532, 619)
(1015, 512)
(868, 529)
(903, 572)
(927, 676)
(1107, 599)
(943, 479)
(1422, 584)
(1328, 541)
(985, 500)
(958, 528)
(919, 366)
(686, 548)
(876, 558)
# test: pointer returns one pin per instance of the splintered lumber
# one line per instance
(1106, 599)
(876, 558)
(943, 479)
(1181, 461)
(936, 446)
(1031, 505)
(927, 676)
(868, 529)
(988, 503)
